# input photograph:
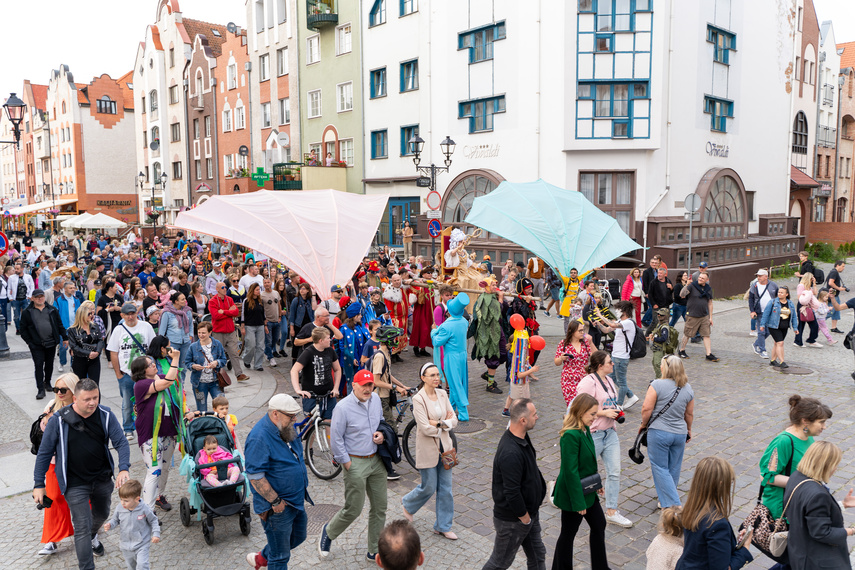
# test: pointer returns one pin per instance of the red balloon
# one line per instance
(517, 322)
(537, 342)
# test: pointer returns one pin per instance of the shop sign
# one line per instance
(824, 190)
(719, 150)
(112, 203)
(481, 151)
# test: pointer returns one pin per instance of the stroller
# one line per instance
(223, 501)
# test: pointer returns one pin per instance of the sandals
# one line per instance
(449, 535)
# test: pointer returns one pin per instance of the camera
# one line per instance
(45, 504)
(621, 416)
(569, 356)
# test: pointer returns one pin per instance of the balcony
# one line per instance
(828, 94)
(304, 177)
(286, 176)
(321, 14)
(827, 137)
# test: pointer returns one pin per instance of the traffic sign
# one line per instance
(260, 176)
(433, 200)
(692, 202)
(423, 182)
(4, 243)
(433, 214)
(434, 228)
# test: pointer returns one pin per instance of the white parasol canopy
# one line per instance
(320, 234)
(69, 223)
(99, 221)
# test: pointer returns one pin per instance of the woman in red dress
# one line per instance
(422, 316)
(57, 525)
(573, 354)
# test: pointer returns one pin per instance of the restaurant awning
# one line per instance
(799, 179)
(39, 206)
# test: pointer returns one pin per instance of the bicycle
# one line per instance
(317, 452)
(605, 293)
(408, 439)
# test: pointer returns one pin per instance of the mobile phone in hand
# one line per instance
(748, 532)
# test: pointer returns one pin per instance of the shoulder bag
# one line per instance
(778, 540)
(641, 439)
(448, 458)
(806, 314)
(223, 379)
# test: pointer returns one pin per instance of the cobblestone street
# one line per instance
(740, 406)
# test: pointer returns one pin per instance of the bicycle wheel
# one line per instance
(318, 454)
(408, 443)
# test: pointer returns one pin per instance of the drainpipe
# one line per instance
(836, 151)
(538, 131)
(248, 67)
(215, 133)
(667, 135)
(818, 105)
(362, 104)
(188, 124)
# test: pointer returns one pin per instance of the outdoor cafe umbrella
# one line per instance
(560, 226)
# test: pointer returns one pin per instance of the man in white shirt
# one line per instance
(252, 276)
(761, 293)
(332, 305)
(128, 340)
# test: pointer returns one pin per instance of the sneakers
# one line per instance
(760, 352)
(162, 503)
(324, 543)
(97, 547)
(49, 548)
(272, 362)
(630, 402)
(61, 368)
(683, 354)
(129, 435)
(797, 344)
(484, 376)
(547, 313)
(506, 413)
(774, 363)
(242, 378)
(619, 520)
(371, 556)
(256, 560)
(836, 330)
(813, 344)
(783, 365)
(712, 357)
(493, 389)
(831, 341)
(752, 333)
(393, 475)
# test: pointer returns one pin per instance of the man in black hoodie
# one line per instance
(42, 330)
(647, 277)
(518, 491)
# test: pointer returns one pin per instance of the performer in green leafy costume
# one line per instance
(490, 342)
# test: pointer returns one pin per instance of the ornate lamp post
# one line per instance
(15, 109)
(416, 145)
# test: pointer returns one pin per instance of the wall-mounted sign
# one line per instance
(202, 187)
(112, 203)
(423, 182)
(481, 151)
(719, 150)
(824, 190)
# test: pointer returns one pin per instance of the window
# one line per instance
(240, 117)
(107, 106)
(800, 134)
(460, 197)
(198, 170)
(153, 100)
(345, 151)
(231, 78)
(343, 39)
(175, 132)
(612, 100)
(265, 115)
(142, 104)
(155, 134)
(209, 165)
(344, 98)
(377, 15)
(313, 49)
(282, 61)
(408, 7)
(145, 139)
(216, 32)
(227, 120)
(173, 95)
(378, 83)
(284, 111)
(723, 42)
(614, 16)
(228, 163)
(479, 42)
(314, 103)
(171, 57)
(207, 126)
(724, 203)
(406, 134)
(379, 144)
(612, 193)
(196, 129)
(410, 75)
(604, 43)
(176, 170)
(264, 67)
(480, 112)
(720, 110)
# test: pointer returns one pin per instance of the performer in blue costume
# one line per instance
(355, 335)
(451, 335)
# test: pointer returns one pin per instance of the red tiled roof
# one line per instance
(40, 95)
(801, 179)
(127, 91)
(82, 96)
(847, 58)
(196, 27)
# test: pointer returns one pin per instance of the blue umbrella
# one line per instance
(560, 226)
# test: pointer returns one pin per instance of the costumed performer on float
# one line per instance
(422, 315)
(451, 336)
(399, 310)
(490, 341)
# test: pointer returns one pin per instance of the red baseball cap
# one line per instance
(363, 377)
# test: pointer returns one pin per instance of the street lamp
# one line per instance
(15, 109)
(416, 145)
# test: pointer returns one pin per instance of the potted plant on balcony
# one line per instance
(342, 164)
(288, 174)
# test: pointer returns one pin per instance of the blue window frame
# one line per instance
(408, 7)
(479, 41)
(407, 133)
(379, 144)
(378, 83)
(377, 15)
(719, 110)
(410, 75)
(480, 112)
(723, 41)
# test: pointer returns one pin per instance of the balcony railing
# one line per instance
(827, 137)
(828, 94)
(286, 176)
(321, 13)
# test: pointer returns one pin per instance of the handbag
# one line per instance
(806, 314)
(591, 484)
(449, 458)
(223, 379)
(36, 434)
(641, 439)
(778, 540)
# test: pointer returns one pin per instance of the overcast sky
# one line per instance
(90, 37)
(93, 38)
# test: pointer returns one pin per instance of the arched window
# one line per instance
(156, 169)
(461, 194)
(63, 107)
(155, 134)
(106, 105)
(152, 97)
(723, 211)
(840, 213)
(724, 203)
(800, 134)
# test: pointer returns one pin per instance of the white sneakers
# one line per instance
(50, 548)
(630, 402)
(272, 362)
(61, 368)
(619, 520)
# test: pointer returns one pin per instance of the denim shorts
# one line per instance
(309, 405)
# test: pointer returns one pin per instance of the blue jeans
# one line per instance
(271, 338)
(283, 334)
(126, 389)
(18, 308)
(621, 365)
(434, 479)
(753, 324)
(63, 354)
(648, 315)
(666, 459)
(89, 506)
(762, 335)
(181, 347)
(607, 447)
(285, 531)
(201, 392)
(677, 311)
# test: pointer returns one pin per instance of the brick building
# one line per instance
(232, 100)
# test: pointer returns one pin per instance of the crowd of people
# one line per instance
(165, 311)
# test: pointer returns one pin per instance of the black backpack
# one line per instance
(36, 435)
(819, 274)
(639, 344)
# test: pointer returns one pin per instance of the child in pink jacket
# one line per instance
(212, 453)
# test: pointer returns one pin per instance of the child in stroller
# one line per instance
(212, 453)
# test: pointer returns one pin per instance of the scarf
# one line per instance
(705, 291)
(183, 316)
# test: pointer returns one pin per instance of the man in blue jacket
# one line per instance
(67, 304)
(85, 475)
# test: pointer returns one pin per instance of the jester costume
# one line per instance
(527, 311)
(451, 336)
(519, 358)
(490, 343)
(350, 346)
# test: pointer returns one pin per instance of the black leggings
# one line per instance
(570, 521)
(86, 367)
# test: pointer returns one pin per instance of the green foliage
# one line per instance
(821, 251)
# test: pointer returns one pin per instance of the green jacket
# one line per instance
(578, 460)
